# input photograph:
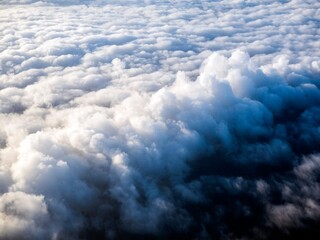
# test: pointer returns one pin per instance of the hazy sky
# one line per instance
(159, 119)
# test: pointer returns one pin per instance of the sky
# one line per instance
(159, 119)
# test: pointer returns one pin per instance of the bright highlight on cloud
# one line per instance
(159, 119)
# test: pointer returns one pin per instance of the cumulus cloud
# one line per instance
(159, 119)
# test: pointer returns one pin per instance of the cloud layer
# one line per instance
(159, 119)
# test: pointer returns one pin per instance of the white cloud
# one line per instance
(23, 215)
(131, 118)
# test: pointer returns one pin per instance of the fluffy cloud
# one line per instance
(159, 119)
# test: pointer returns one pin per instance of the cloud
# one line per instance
(22, 215)
(159, 119)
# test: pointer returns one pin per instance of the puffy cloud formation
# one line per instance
(159, 119)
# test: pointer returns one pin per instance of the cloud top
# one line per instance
(159, 120)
